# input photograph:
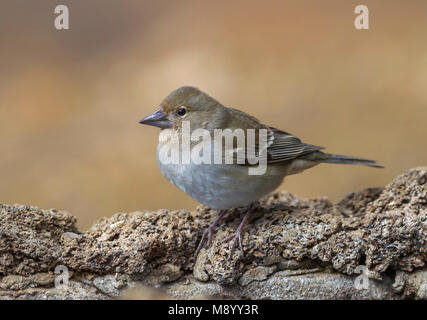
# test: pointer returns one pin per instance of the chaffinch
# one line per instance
(188, 113)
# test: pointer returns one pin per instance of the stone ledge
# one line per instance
(294, 248)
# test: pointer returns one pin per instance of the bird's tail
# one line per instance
(335, 158)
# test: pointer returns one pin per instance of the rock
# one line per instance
(199, 271)
(30, 238)
(355, 203)
(256, 274)
(399, 281)
(395, 225)
(294, 249)
(16, 282)
(136, 242)
(416, 284)
(281, 285)
(109, 285)
(164, 274)
(316, 286)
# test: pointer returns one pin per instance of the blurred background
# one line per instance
(70, 100)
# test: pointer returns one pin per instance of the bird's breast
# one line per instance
(219, 186)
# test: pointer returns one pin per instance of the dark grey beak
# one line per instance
(157, 119)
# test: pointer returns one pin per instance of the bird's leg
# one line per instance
(237, 235)
(209, 231)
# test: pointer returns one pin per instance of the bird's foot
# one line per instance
(236, 237)
(209, 232)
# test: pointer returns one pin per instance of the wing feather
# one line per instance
(281, 145)
(284, 146)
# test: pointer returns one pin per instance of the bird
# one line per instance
(226, 186)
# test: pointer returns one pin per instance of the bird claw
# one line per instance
(208, 232)
(234, 238)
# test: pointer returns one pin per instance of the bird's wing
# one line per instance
(283, 146)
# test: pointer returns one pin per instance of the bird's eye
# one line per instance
(181, 112)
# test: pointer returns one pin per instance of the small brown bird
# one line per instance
(221, 185)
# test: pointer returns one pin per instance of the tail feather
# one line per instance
(335, 158)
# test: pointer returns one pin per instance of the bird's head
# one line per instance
(186, 104)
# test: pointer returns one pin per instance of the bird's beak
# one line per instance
(157, 119)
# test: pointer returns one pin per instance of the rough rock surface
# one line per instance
(294, 249)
